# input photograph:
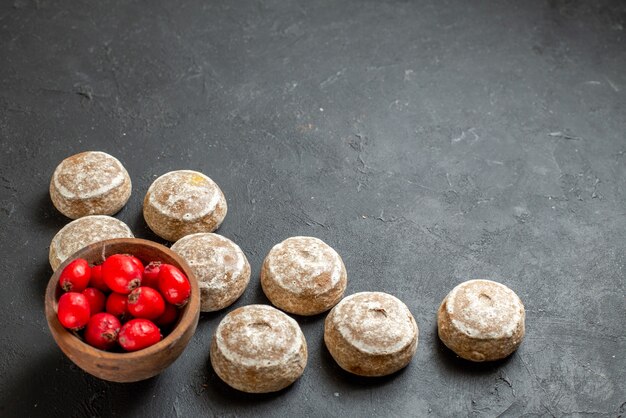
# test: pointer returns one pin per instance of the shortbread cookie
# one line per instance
(222, 270)
(258, 349)
(481, 320)
(183, 202)
(304, 276)
(371, 334)
(90, 183)
(82, 232)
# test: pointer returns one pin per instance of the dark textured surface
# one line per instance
(428, 142)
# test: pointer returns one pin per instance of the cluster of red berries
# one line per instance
(120, 301)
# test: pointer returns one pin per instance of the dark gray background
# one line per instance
(428, 142)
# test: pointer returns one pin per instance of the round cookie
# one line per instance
(371, 334)
(82, 232)
(481, 320)
(90, 183)
(258, 349)
(183, 202)
(304, 276)
(222, 270)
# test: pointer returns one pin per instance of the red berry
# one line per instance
(97, 280)
(151, 275)
(75, 276)
(96, 299)
(137, 334)
(136, 262)
(102, 330)
(169, 316)
(145, 302)
(117, 305)
(121, 273)
(174, 285)
(73, 310)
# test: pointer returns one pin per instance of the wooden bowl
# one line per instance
(137, 365)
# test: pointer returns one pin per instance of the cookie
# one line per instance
(258, 349)
(222, 269)
(183, 202)
(90, 183)
(371, 334)
(481, 320)
(82, 232)
(304, 276)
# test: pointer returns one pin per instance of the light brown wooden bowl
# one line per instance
(137, 365)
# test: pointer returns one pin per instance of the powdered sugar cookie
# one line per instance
(258, 349)
(303, 275)
(222, 270)
(183, 202)
(481, 320)
(90, 183)
(82, 232)
(371, 334)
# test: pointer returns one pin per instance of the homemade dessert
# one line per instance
(481, 320)
(258, 349)
(371, 334)
(183, 202)
(90, 183)
(304, 276)
(82, 232)
(222, 270)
